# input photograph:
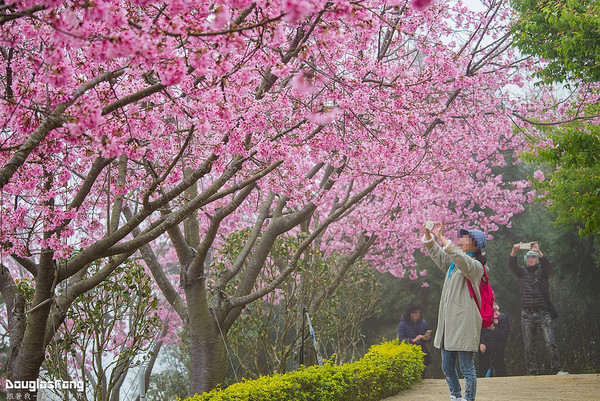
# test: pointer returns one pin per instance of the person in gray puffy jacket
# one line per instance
(459, 320)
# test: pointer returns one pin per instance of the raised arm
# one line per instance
(439, 257)
(512, 261)
(471, 268)
(544, 262)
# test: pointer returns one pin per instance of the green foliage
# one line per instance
(337, 322)
(173, 380)
(265, 339)
(572, 189)
(565, 32)
(117, 317)
(385, 370)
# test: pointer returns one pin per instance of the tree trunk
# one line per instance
(24, 366)
(207, 349)
(28, 355)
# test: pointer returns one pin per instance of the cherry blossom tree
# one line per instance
(130, 125)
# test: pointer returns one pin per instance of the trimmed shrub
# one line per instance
(385, 370)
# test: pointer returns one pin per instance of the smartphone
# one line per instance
(429, 225)
(428, 333)
(525, 245)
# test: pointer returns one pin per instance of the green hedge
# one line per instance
(385, 370)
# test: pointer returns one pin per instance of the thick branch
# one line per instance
(15, 308)
(26, 263)
(4, 17)
(361, 249)
(134, 97)
(239, 301)
(169, 292)
(227, 275)
(196, 269)
(118, 205)
(75, 289)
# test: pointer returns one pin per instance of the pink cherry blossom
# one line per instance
(295, 10)
(539, 175)
(421, 3)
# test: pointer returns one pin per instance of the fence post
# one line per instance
(142, 378)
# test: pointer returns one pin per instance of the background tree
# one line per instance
(104, 332)
(338, 294)
(174, 381)
(571, 186)
(566, 33)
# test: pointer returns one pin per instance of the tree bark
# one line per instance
(27, 356)
(207, 349)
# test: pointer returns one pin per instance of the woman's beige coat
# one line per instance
(459, 320)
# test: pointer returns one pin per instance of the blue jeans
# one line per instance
(467, 368)
(530, 322)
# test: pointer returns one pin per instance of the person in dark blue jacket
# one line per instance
(413, 330)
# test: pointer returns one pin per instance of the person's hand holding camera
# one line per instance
(515, 249)
(535, 247)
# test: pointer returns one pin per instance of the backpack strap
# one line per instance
(472, 292)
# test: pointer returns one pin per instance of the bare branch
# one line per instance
(532, 122)
(235, 303)
(226, 276)
(196, 269)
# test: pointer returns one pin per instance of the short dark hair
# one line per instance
(410, 309)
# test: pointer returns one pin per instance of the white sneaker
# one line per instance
(453, 398)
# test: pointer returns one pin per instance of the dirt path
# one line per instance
(515, 388)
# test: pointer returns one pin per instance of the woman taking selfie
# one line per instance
(459, 320)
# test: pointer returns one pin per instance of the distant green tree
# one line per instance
(107, 329)
(171, 381)
(565, 32)
(572, 187)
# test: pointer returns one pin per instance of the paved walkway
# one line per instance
(514, 388)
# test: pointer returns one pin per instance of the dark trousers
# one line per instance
(530, 323)
(494, 360)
